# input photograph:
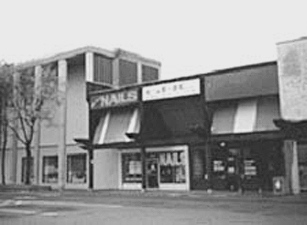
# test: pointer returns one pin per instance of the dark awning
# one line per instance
(172, 118)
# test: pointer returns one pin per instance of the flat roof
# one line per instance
(212, 73)
(82, 50)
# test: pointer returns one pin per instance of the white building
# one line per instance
(57, 159)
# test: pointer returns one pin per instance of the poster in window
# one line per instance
(250, 168)
(218, 166)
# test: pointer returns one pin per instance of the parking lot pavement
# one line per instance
(132, 207)
(122, 209)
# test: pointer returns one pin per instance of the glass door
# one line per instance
(152, 171)
(233, 169)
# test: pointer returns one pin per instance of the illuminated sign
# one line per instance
(114, 99)
(171, 90)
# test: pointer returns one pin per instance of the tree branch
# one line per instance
(16, 133)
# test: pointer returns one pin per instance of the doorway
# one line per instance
(234, 169)
(152, 172)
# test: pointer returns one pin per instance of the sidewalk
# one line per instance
(187, 195)
(194, 195)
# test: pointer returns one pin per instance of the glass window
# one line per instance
(149, 73)
(132, 167)
(127, 72)
(24, 165)
(76, 169)
(102, 69)
(50, 169)
(172, 167)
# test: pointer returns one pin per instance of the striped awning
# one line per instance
(114, 125)
(246, 116)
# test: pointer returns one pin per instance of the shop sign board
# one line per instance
(114, 99)
(171, 90)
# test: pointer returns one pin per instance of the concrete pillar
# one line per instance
(139, 72)
(115, 69)
(291, 167)
(208, 175)
(37, 132)
(159, 72)
(62, 87)
(89, 66)
(295, 181)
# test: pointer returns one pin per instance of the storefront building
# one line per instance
(226, 130)
(145, 135)
(179, 138)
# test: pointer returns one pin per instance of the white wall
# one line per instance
(77, 108)
(106, 174)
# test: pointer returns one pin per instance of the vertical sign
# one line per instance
(292, 77)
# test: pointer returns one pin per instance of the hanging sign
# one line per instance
(171, 90)
(114, 99)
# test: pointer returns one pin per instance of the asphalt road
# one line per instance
(117, 208)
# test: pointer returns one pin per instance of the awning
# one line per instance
(172, 119)
(114, 125)
(246, 116)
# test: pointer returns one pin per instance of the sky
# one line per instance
(187, 37)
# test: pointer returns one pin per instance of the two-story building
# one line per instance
(57, 160)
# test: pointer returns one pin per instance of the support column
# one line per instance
(139, 72)
(115, 72)
(62, 83)
(208, 167)
(89, 66)
(291, 167)
(37, 130)
(144, 169)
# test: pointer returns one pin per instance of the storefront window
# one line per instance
(76, 169)
(50, 169)
(24, 166)
(172, 167)
(132, 167)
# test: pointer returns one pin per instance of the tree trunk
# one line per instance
(3, 139)
(28, 164)
(3, 148)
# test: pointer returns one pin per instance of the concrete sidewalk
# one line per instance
(187, 195)
(196, 195)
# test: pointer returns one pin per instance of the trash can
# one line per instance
(279, 185)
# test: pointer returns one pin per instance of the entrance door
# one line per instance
(233, 169)
(225, 169)
(152, 172)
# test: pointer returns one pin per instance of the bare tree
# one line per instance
(35, 99)
(5, 95)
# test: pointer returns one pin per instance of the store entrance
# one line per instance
(152, 172)
(235, 169)
(248, 166)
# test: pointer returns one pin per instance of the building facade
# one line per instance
(237, 129)
(232, 129)
(57, 160)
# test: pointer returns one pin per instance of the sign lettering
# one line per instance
(171, 90)
(114, 99)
